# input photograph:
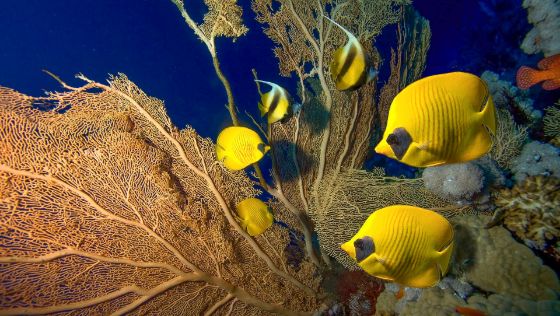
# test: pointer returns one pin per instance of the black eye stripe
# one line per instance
(364, 248)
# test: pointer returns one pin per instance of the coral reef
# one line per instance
(508, 140)
(544, 37)
(128, 214)
(536, 159)
(512, 278)
(551, 121)
(531, 211)
(516, 101)
(454, 181)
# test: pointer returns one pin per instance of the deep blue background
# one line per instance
(150, 42)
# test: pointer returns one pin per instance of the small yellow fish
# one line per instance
(277, 103)
(404, 244)
(440, 119)
(237, 147)
(255, 216)
(350, 67)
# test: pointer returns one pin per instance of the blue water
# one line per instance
(150, 42)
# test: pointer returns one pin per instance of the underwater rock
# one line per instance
(491, 260)
(536, 159)
(544, 37)
(506, 277)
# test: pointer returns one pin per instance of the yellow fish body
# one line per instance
(350, 67)
(238, 147)
(405, 244)
(255, 216)
(440, 119)
(277, 103)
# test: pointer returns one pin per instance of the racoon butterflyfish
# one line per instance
(440, 119)
(277, 103)
(350, 67)
(404, 244)
(255, 216)
(237, 147)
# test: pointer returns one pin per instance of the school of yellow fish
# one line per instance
(440, 119)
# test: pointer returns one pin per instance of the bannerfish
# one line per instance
(549, 72)
(404, 244)
(440, 119)
(237, 147)
(350, 67)
(277, 103)
(255, 216)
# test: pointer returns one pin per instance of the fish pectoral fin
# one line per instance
(444, 256)
(421, 146)
(428, 278)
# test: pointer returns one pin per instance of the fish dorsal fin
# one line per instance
(351, 37)
(272, 84)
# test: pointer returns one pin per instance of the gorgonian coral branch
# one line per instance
(109, 200)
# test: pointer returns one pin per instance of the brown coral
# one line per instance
(531, 211)
(106, 207)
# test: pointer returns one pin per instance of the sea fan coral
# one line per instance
(106, 207)
(531, 211)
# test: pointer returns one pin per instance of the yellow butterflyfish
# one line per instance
(238, 147)
(350, 67)
(440, 119)
(277, 103)
(255, 216)
(404, 244)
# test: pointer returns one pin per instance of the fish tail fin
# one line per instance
(528, 77)
(489, 115)
(444, 258)
(552, 84)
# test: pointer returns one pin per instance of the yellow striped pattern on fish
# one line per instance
(440, 119)
(404, 244)
(255, 216)
(238, 147)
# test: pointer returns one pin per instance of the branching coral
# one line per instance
(508, 140)
(551, 121)
(103, 197)
(531, 211)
